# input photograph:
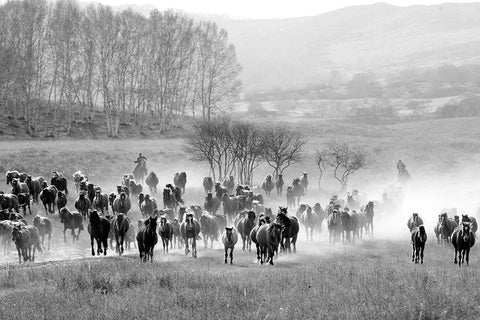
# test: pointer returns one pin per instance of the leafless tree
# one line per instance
(321, 158)
(346, 159)
(218, 70)
(284, 147)
(249, 145)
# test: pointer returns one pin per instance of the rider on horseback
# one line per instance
(141, 158)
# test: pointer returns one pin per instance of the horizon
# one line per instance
(267, 9)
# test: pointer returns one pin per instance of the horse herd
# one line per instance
(461, 234)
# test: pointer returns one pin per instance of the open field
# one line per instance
(372, 279)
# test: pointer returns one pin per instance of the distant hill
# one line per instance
(292, 53)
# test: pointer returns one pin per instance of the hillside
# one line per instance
(289, 53)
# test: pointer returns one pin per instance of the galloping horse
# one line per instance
(418, 237)
(140, 171)
(190, 228)
(463, 239)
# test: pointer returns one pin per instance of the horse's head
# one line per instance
(251, 215)
(282, 210)
(163, 220)
(466, 231)
(152, 222)
(422, 233)
(36, 220)
(16, 233)
(456, 218)
(465, 218)
(276, 231)
(123, 196)
(94, 217)
(15, 182)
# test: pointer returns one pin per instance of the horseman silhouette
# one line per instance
(403, 175)
(140, 171)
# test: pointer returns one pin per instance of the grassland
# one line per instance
(371, 280)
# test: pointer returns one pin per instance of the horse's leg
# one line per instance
(243, 242)
(468, 255)
(413, 252)
(421, 253)
(231, 255)
(92, 244)
(20, 255)
(226, 254)
(64, 237)
(186, 245)
(205, 241)
(105, 246)
(194, 246)
(455, 260)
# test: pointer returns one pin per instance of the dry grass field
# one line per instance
(373, 279)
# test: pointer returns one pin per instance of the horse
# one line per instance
(147, 206)
(6, 228)
(10, 175)
(419, 238)
(361, 221)
(290, 198)
(24, 202)
(230, 204)
(59, 182)
(290, 228)
(269, 237)
(82, 204)
(304, 181)
(448, 225)
(35, 186)
(71, 220)
(472, 220)
(244, 227)
(44, 226)
(61, 200)
(309, 219)
(122, 203)
(463, 239)
(207, 184)
(349, 226)
(368, 211)
(26, 240)
(414, 221)
(151, 181)
(78, 177)
(253, 234)
(438, 229)
(165, 232)
(19, 187)
(48, 196)
(220, 190)
(229, 184)
(229, 239)
(100, 202)
(279, 184)
(334, 224)
(9, 202)
(180, 180)
(209, 227)
(147, 238)
(169, 200)
(119, 225)
(268, 185)
(190, 228)
(177, 192)
(98, 228)
(297, 190)
(321, 214)
(140, 171)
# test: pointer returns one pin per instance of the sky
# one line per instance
(266, 9)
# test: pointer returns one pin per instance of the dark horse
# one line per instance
(268, 237)
(369, 215)
(190, 228)
(99, 227)
(180, 180)
(290, 228)
(418, 237)
(463, 239)
(152, 181)
(210, 229)
(244, 227)
(120, 226)
(147, 238)
(71, 220)
(166, 233)
(140, 171)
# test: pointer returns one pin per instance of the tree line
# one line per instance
(235, 148)
(61, 62)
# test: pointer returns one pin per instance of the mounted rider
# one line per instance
(141, 159)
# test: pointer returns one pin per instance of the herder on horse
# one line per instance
(140, 170)
(403, 175)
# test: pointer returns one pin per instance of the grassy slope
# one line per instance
(374, 280)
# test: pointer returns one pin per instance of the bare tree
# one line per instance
(321, 159)
(249, 147)
(284, 147)
(218, 81)
(346, 159)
